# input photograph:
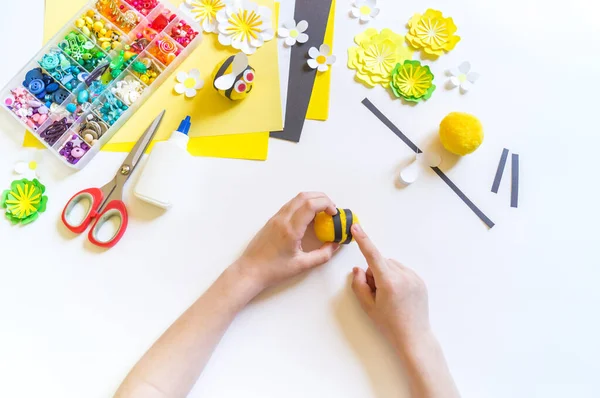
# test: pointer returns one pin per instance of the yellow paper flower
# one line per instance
(377, 55)
(432, 33)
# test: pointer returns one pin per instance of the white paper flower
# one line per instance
(205, 12)
(245, 26)
(364, 10)
(321, 59)
(462, 77)
(189, 83)
(29, 165)
(293, 33)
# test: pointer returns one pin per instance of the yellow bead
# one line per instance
(106, 45)
(80, 23)
(128, 55)
(98, 26)
(144, 78)
(102, 32)
(90, 13)
(89, 22)
(86, 31)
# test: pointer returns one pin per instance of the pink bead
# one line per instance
(43, 118)
(31, 124)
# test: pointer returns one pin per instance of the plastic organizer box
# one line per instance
(77, 92)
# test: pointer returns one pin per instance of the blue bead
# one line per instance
(83, 96)
(60, 96)
(52, 87)
(71, 108)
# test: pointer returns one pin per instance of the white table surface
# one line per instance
(515, 307)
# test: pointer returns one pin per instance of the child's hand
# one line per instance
(275, 254)
(393, 296)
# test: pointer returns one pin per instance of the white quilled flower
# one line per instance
(245, 26)
(462, 77)
(321, 58)
(205, 12)
(364, 10)
(293, 33)
(189, 83)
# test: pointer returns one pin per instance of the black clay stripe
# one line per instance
(223, 68)
(337, 227)
(349, 221)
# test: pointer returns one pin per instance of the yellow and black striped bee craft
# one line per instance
(335, 228)
(234, 77)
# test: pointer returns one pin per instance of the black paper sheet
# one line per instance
(302, 77)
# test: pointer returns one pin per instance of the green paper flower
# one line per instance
(412, 81)
(24, 201)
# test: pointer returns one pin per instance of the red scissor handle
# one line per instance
(115, 209)
(95, 197)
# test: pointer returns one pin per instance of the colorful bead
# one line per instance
(183, 33)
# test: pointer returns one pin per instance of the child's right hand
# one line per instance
(393, 296)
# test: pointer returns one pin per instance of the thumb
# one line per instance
(319, 257)
(362, 290)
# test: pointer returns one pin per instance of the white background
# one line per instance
(515, 307)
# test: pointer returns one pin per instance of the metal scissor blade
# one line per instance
(140, 147)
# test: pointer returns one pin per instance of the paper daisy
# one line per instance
(205, 12)
(321, 58)
(24, 201)
(189, 83)
(29, 165)
(245, 26)
(412, 81)
(377, 55)
(462, 77)
(364, 10)
(293, 33)
(432, 33)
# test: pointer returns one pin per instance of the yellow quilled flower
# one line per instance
(376, 56)
(24, 201)
(412, 81)
(432, 33)
(205, 12)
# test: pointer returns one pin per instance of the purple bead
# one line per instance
(84, 146)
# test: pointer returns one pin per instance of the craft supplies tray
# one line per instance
(87, 81)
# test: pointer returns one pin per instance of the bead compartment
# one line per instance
(47, 130)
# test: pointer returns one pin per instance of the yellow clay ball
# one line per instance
(334, 228)
(128, 55)
(461, 133)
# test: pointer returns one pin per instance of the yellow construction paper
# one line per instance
(318, 107)
(211, 114)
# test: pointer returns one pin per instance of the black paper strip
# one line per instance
(500, 171)
(439, 172)
(302, 77)
(514, 197)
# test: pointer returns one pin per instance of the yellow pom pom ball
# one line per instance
(461, 133)
(335, 228)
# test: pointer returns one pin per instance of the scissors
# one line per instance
(106, 203)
